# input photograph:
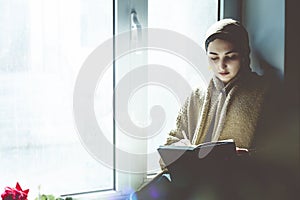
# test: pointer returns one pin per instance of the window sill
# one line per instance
(102, 196)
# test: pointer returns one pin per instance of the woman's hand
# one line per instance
(182, 142)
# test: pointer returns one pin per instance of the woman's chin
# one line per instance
(224, 79)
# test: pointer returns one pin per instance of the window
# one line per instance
(43, 45)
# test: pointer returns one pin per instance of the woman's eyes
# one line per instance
(233, 57)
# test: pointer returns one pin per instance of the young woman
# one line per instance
(230, 108)
(232, 104)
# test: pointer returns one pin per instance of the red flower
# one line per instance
(15, 193)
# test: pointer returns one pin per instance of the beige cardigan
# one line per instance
(242, 105)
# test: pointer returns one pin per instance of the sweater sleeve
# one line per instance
(186, 120)
(176, 134)
(181, 125)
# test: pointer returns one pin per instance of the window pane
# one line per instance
(190, 18)
(42, 47)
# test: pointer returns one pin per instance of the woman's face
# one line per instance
(224, 59)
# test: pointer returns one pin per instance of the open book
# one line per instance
(202, 145)
(223, 149)
(185, 163)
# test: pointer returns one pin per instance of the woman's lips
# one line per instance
(223, 73)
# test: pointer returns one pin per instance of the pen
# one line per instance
(184, 135)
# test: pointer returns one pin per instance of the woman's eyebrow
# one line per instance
(213, 53)
(228, 52)
(232, 51)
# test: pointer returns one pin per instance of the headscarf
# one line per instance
(234, 32)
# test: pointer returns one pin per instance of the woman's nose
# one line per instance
(222, 64)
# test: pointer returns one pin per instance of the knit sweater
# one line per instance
(236, 118)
